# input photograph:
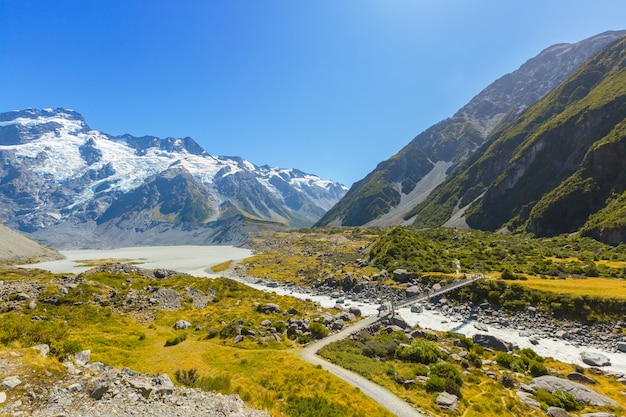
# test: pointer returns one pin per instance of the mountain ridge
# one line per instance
(551, 169)
(456, 138)
(60, 180)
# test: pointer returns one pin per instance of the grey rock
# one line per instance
(82, 358)
(578, 377)
(74, 387)
(266, 323)
(621, 346)
(556, 412)
(401, 276)
(238, 339)
(43, 349)
(581, 392)
(600, 414)
(595, 359)
(271, 308)
(447, 401)
(355, 310)
(527, 398)
(101, 387)
(10, 382)
(3, 397)
(182, 325)
(142, 386)
(492, 342)
(481, 326)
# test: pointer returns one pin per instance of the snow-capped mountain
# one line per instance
(70, 186)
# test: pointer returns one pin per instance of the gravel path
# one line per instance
(379, 394)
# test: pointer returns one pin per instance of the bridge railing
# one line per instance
(447, 288)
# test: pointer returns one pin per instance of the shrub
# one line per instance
(537, 368)
(558, 399)
(188, 377)
(420, 351)
(279, 325)
(505, 359)
(176, 340)
(318, 330)
(474, 359)
(507, 380)
(435, 384)
(379, 349)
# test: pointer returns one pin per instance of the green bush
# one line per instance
(537, 368)
(176, 340)
(558, 399)
(318, 330)
(435, 384)
(379, 349)
(420, 351)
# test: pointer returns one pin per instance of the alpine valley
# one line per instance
(540, 150)
(68, 186)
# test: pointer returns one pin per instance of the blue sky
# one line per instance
(331, 87)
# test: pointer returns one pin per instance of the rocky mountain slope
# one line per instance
(67, 185)
(15, 247)
(560, 162)
(388, 194)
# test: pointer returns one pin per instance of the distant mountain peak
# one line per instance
(68, 185)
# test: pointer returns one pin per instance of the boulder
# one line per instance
(163, 385)
(82, 358)
(399, 321)
(556, 412)
(600, 414)
(355, 310)
(578, 377)
(527, 398)
(413, 291)
(401, 276)
(595, 359)
(182, 325)
(621, 346)
(100, 387)
(10, 382)
(3, 397)
(582, 393)
(43, 349)
(271, 308)
(492, 342)
(447, 401)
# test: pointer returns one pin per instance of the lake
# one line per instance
(191, 259)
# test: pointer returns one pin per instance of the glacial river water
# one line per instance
(197, 260)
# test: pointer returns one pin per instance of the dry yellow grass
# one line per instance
(593, 287)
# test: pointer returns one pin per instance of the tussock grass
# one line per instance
(591, 287)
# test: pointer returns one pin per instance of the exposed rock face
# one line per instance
(582, 393)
